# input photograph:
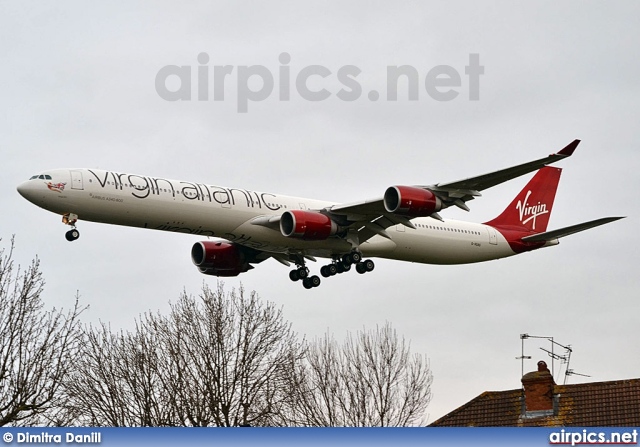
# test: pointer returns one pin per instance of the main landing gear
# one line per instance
(302, 273)
(339, 265)
(73, 233)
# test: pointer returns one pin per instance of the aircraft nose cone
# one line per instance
(22, 189)
(27, 191)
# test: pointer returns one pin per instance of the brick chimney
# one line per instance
(538, 389)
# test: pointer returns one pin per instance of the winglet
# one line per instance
(568, 150)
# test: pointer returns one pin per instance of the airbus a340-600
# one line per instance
(244, 227)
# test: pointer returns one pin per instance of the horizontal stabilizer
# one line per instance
(556, 234)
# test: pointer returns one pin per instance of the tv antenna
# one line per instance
(564, 356)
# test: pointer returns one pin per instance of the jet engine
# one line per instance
(219, 258)
(307, 225)
(411, 201)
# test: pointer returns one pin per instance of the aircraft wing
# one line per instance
(486, 181)
(566, 231)
(466, 189)
(370, 216)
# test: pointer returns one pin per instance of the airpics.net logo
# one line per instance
(255, 83)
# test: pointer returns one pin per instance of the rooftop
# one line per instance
(611, 404)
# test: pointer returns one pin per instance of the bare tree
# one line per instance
(216, 360)
(371, 380)
(227, 353)
(37, 347)
(117, 380)
(220, 359)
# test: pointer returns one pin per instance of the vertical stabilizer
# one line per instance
(531, 208)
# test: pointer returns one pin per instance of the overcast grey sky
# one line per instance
(78, 90)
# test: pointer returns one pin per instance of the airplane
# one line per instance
(249, 227)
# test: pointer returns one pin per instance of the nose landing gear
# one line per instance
(73, 233)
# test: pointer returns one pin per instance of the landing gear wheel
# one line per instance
(72, 235)
(302, 272)
(346, 259)
(346, 267)
(365, 266)
(293, 275)
(329, 270)
(307, 283)
(355, 257)
(369, 265)
(340, 267)
(314, 280)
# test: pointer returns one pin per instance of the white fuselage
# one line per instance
(213, 211)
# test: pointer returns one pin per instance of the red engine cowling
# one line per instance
(411, 201)
(219, 258)
(307, 225)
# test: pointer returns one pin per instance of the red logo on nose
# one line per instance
(57, 187)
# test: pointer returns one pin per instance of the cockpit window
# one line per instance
(47, 177)
(35, 176)
(41, 177)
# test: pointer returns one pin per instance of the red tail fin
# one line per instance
(531, 208)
